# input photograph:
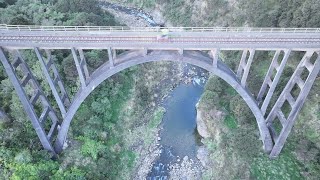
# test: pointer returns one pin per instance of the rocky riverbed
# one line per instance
(180, 167)
(134, 17)
(162, 156)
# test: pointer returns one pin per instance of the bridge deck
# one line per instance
(24, 37)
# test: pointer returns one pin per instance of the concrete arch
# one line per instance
(132, 58)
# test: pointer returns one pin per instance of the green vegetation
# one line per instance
(179, 11)
(235, 149)
(117, 120)
(143, 3)
(230, 122)
(157, 118)
(108, 124)
(259, 13)
(285, 167)
(55, 12)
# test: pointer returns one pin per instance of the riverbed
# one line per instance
(179, 139)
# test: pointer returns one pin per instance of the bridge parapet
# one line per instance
(157, 29)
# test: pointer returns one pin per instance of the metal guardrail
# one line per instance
(156, 29)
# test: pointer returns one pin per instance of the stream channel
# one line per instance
(179, 137)
(131, 11)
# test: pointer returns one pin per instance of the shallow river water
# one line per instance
(179, 137)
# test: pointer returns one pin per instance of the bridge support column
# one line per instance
(215, 57)
(111, 56)
(81, 66)
(244, 67)
(180, 51)
(114, 53)
(44, 132)
(272, 83)
(145, 51)
(60, 94)
(295, 103)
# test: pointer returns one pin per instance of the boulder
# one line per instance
(201, 125)
(203, 156)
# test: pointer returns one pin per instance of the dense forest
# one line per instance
(101, 146)
(257, 13)
(21, 154)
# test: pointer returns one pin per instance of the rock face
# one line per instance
(201, 125)
(147, 163)
(203, 156)
(186, 169)
(207, 122)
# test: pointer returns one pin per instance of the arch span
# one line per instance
(132, 58)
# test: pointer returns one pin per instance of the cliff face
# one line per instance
(209, 128)
(208, 122)
(201, 124)
(219, 155)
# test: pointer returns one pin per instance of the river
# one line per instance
(179, 139)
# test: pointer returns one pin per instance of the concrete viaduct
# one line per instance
(194, 45)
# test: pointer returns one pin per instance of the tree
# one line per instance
(74, 6)
(4, 119)
(5, 3)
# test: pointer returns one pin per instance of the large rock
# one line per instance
(208, 122)
(186, 169)
(201, 125)
(203, 156)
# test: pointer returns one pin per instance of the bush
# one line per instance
(91, 147)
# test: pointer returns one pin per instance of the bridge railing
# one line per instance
(155, 29)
